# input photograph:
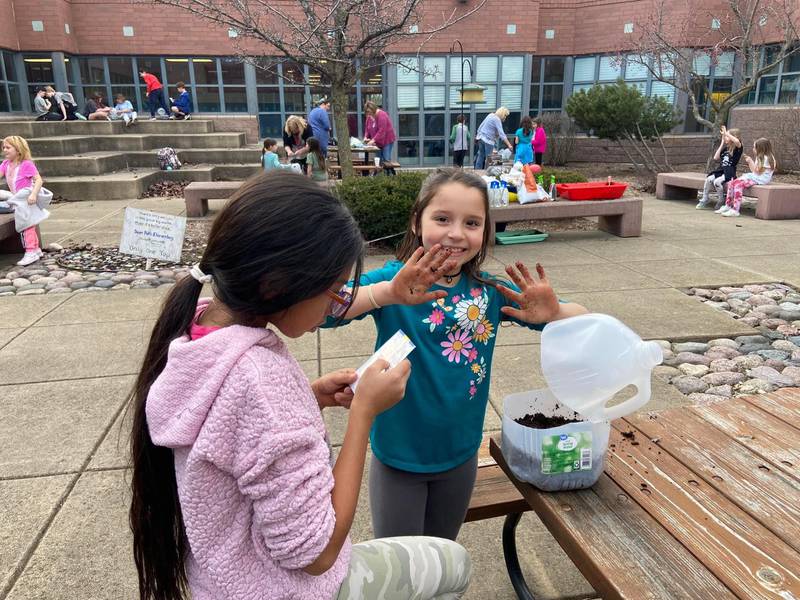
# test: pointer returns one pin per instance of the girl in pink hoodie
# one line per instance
(233, 491)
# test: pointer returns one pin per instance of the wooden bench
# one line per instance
(773, 201)
(197, 194)
(494, 495)
(335, 170)
(622, 217)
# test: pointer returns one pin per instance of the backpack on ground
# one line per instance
(168, 159)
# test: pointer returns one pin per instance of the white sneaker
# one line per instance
(722, 210)
(29, 258)
(731, 213)
(701, 205)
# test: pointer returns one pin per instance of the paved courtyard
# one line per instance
(67, 364)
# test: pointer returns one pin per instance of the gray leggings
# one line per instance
(406, 503)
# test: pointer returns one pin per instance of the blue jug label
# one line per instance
(567, 453)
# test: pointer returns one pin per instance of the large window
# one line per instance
(428, 100)
(714, 75)
(547, 84)
(10, 99)
(781, 85)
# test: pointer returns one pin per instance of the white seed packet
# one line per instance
(393, 351)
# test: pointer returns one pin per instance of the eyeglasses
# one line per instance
(340, 302)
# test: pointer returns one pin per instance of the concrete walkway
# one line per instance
(67, 364)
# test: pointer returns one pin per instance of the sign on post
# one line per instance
(152, 235)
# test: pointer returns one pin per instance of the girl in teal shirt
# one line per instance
(425, 447)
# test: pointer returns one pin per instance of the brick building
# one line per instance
(529, 54)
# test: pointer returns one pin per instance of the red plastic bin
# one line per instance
(591, 190)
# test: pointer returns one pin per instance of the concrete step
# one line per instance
(132, 183)
(97, 163)
(72, 145)
(38, 129)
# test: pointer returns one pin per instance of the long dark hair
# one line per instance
(430, 187)
(279, 240)
(526, 124)
(315, 148)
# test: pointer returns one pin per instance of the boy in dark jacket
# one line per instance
(182, 105)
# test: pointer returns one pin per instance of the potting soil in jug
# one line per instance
(548, 445)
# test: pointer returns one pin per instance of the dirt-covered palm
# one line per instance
(411, 283)
(536, 299)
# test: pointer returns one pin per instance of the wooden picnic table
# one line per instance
(695, 502)
(366, 150)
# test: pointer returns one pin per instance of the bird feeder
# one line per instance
(472, 94)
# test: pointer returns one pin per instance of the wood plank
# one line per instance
(783, 404)
(494, 496)
(757, 430)
(766, 494)
(745, 556)
(622, 551)
(691, 578)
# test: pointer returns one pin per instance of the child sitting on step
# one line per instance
(123, 109)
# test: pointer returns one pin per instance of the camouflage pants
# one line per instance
(406, 568)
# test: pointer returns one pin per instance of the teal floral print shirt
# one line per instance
(438, 425)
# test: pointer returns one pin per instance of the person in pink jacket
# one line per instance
(378, 130)
(234, 494)
(539, 141)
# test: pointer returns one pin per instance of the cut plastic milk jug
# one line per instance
(589, 358)
(585, 360)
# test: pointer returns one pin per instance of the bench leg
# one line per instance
(512, 561)
(665, 191)
(196, 207)
(628, 224)
(13, 243)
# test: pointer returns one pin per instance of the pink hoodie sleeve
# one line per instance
(285, 470)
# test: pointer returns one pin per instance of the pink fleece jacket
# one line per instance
(252, 465)
(379, 129)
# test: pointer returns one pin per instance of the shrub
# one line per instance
(562, 175)
(561, 137)
(381, 205)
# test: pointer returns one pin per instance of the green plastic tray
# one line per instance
(522, 236)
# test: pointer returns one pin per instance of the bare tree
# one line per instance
(338, 39)
(676, 43)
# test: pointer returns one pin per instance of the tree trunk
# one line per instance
(339, 93)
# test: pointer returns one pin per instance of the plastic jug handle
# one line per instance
(631, 404)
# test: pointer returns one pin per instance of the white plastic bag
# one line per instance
(505, 154)
(526, 197)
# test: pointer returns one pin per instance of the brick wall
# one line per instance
(53, 14)
(582, 26)
(247, 124)
(779, 124)
(8, 28)
(681, 150)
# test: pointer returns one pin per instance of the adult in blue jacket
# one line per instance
(321, 124)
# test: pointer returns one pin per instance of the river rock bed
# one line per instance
(745, 365)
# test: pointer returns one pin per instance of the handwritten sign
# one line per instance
(152, 235)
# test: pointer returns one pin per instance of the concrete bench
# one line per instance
(197, 194)
(773, 201)
(622, 217)
(10, 240)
